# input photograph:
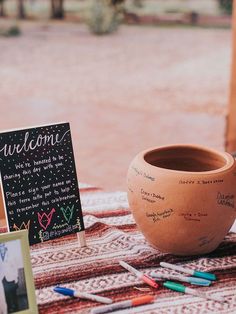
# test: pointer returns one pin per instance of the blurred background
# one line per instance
(126, 74)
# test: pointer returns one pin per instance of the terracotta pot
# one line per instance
(183, 197)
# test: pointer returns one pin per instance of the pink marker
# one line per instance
(150, 281)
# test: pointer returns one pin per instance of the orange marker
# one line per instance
(146, 299)
(148, 280)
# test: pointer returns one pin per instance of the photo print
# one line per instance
(16, 282)
(12, 278)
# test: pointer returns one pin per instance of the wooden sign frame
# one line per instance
(39, 182)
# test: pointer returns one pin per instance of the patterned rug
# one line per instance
(112, 236)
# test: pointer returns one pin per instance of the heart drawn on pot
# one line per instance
(45, 219)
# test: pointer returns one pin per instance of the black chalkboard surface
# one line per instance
(39, 182)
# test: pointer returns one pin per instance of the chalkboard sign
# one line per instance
(39, 182)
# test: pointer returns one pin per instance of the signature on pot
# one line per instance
(225, 199)
(151, 197)
(193, 216)
(139, 172)
(161, 215)
(205, 240)
(200, 181)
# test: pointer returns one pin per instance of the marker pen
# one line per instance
(123, 305)
(191, 280)
(82, 295)
(145, 278)
(196, 273)
(181, 288)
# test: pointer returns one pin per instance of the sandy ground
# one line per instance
(140, 87)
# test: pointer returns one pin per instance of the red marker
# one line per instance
(150, 281)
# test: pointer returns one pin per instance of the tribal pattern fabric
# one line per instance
(112, 235)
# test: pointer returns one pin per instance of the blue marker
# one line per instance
(82, 295)
(196, 273)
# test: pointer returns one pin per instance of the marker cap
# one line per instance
(151, 282)
(204, 275)
(142, 300)
(199, 281)
(64, 291)
(174, 286)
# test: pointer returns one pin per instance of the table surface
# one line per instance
(112, 236)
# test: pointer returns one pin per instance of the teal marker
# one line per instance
(191, 280)
(191, 272)
(181, 288)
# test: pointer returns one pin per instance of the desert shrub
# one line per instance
(11, 31)
(226, 6)
(104, 17)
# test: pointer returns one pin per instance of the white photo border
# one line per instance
(22, 235)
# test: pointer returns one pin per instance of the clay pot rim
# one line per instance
(229, 159)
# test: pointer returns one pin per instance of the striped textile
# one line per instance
(112, 236)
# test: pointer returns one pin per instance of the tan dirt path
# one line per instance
(140, 87)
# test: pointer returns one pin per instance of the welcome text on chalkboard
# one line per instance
(39, 182)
